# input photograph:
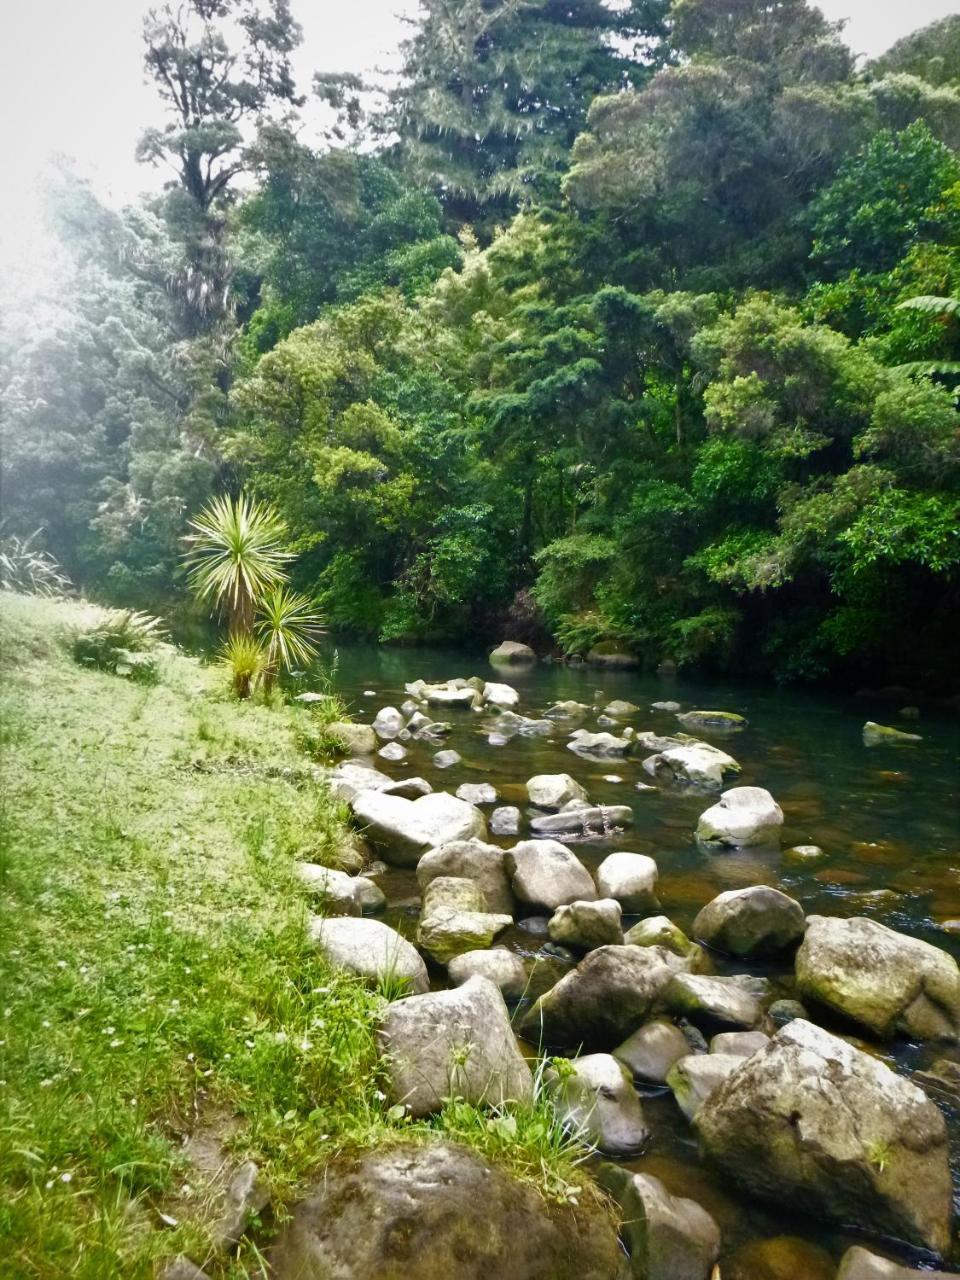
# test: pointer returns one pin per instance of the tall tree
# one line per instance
(495, 91)
(214, 87)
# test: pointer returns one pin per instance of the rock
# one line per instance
(453, 919)
(181, 1268)
(438, 1211)
(505, 969)
(612, 659)
(618, 707)
(757, 921)
(594, 1098)
(455, 1043)
(910, 713)
(356, 739)
(369, 895)
(606, 997)
(660, 931)
(652, 1050)
(711, 720)
(409, 708)
(587, 924)
(477, 793)
(612, 777)
(694, 1078)
(860, 1264)
(553, 790)
(941, 1080)
(347, 779)
(712, 1003)
(408, 788)
(581, 821)
(598, 744)
(651, 741)
(783, 1011)
(500, 695)
(537, 926)
(544, 873)
(415, 689)
(510, 651)
(668, 1237)
(392, 751)
(881, 979)
(369, 948)
(742, 816)
(474, 860)
(664, 706)
(444, 696)
(780, 1258)
(387, 723)
(696, 765)
(309, 698)
(813, 1122)
(433, 731)
(505, 821)
(631, 878)
(566, 710)
(447, 759)
(877, 735)
(740, 1043)
(334, 891)
(403, 830)
(244, 1195)
(804, 853)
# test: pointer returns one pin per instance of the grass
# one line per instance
(153, 972)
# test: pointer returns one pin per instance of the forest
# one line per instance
(601, 327)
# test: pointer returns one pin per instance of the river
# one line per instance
(887, 818)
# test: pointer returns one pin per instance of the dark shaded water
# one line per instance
(887, 818)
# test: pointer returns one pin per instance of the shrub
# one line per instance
(122, 641)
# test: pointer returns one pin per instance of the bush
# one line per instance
(122, 641)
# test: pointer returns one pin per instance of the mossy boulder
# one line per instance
(878, 735)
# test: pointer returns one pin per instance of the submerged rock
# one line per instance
(757, 921)
(665, 706)
(403, 830)
(598, 744)
(438, 1211)
(505, 969)
(779, 1258)
(885, 981)
(594, 1097)
(711, 720)
(742, 816)
(474, 860)
(652, 1050)
(860, 1264)
(813, 1122)
(631, 878)
(455, 1043)
(581, 821)
(569, 710)
(619, 707)
(876, 735)
(553, 790)
(587, 925)
(668, 1237)
(369, 948)
(544, 873)
(696, 764)
(606, 997)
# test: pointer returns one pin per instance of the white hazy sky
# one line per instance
(71, 83)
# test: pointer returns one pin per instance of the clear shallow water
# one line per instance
(888, 819)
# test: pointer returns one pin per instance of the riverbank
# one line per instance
(158, 986)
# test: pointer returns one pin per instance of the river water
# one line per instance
(887, 818)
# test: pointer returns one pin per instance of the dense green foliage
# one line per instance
(605, 345)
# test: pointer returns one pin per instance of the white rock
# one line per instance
(742, 816)
(500, 695)
(553, 790)
(544, 873)
(631, 878)
(369, 948)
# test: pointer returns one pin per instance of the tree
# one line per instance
(494, 92)
(932, 54)
(212, 91)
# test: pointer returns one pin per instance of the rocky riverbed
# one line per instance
(757, 1012)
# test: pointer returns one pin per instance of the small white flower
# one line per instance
(45, 1084)
(61, 964)
(45, 1022)
(66, 1177)
(115, 1044)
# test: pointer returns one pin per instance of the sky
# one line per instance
(71, 82)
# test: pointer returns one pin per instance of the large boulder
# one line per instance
(347, 779)
(449, 1044)
(880, 979)
(582, 820)
(436, 1211)
(594, 1097)
(758, 921)
(453, 919)
(601, 745)
(369, 948)
(606, 997)
(553, 790)
(742, 816)
(860, 1264)
(505, 969)
(510, 651)
(813, 1122)
(500, 695)
(713, 1004)
(387, 723)
(652, 1050)
(355, 739)
(696, 764)
(668, 1237)
(472, 860)
(403, 830)
(631, 878)
(544, 873)
(586, 925)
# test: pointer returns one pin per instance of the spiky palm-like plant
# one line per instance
(243, 656)
(286, 626)
(236, 556)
